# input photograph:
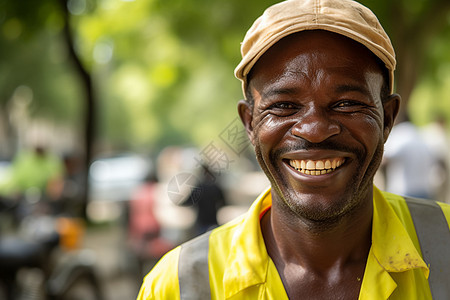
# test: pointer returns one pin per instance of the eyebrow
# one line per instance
(279, 91)
(351, 88)
(344, 88)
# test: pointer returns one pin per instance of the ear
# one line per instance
(245, 111)
(391, 107)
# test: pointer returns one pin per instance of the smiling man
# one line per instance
(317, 76)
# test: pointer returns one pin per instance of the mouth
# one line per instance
(317, 167)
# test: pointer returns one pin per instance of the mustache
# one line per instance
(304, 145)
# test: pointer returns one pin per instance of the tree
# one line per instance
(413, 26)
(33, 21)
(152, 73)
(89, 101)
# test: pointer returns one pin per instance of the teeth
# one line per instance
(318, 167)
(310, 165)
(295, 164)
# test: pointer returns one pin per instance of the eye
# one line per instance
(349, 105)
(283, 105)
(283, 109)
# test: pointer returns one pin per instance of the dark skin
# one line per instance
(317, 97)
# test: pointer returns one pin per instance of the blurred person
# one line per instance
(72, 189)
(207, 197)
(436, 137)
(409, 163)
(318, 81)
(144, 230)
(36, 177)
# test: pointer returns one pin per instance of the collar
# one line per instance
(248, 260)
(392, 251)
(392, 248)
(391, 242)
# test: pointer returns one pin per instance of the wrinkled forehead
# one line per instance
(305, 48)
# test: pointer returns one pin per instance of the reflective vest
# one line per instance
(429, 222)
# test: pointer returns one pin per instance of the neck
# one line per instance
(315, 247)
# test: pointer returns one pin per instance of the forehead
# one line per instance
(314, 49)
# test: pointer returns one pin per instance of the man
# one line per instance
(410, 166)
(318, 81)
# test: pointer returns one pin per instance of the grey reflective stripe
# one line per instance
(434, 238)
(193, 271)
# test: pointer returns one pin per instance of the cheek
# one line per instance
(369, 133)
(270, 131)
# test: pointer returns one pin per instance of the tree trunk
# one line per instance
(407, 74)
(90, 108)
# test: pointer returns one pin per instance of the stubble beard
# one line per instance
(318, 217)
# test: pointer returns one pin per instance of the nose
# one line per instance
(315, 126)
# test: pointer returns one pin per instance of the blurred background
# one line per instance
(118, 117)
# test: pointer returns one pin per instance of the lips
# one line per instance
(317, 167)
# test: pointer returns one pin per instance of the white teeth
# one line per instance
(295, 164)
(318, 167)
(310, 165)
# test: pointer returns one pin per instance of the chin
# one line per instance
(317, 208)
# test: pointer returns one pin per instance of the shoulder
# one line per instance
(399, 206)
(402, 205)
(191, 257)
(162, 281)
(446, 210)
(210, 248)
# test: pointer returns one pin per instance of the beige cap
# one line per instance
(345, 17)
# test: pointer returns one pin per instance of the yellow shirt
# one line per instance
(240, 268)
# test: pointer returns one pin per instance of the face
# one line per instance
(318, 123)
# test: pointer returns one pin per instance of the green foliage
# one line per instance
(163, 70)
(34, 56)
(420, 33)
(171, 70)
